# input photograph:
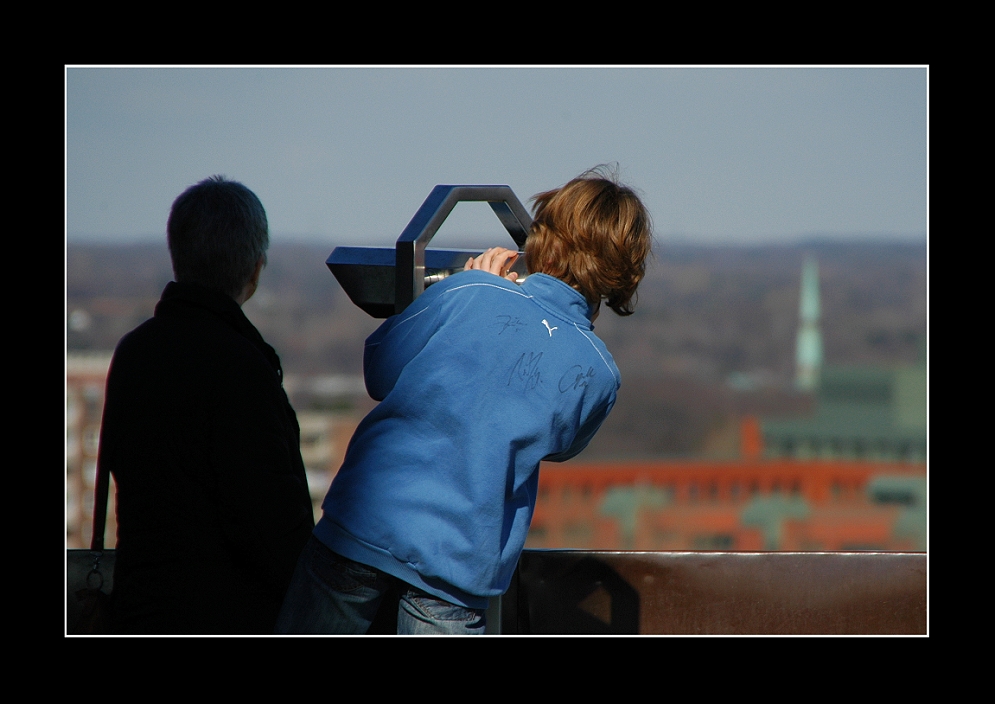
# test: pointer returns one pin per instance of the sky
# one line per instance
(346, 155)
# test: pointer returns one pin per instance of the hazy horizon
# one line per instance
(292, 240)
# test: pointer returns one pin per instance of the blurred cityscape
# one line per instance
(773, 398)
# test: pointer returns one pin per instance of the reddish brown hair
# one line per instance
(595, 235)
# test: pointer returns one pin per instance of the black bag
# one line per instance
(90, 573)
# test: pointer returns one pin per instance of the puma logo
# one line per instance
(550, 329)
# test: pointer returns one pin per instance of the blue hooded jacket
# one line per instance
(478, 380)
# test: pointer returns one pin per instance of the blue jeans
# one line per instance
(332, 594)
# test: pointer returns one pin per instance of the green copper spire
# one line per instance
(808, 348)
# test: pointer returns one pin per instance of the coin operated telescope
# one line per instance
(383, 281)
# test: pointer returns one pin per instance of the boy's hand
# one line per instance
(497, 261)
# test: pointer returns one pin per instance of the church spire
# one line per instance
(808, 348)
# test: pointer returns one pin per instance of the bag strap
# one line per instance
(101, 487)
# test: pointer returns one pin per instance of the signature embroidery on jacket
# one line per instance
(551, 329)
(575, 378)
(526, 371)
(504, 322)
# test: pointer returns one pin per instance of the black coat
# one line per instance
(213, 506)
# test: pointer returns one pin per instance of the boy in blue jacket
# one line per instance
(479, 379)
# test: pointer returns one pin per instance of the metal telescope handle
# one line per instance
(410, 248)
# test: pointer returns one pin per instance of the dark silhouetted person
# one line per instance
(212, 501)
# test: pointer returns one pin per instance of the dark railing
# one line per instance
(566, 592)
(594, 592)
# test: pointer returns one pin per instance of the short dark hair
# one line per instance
(217, 232)
(595, 235)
